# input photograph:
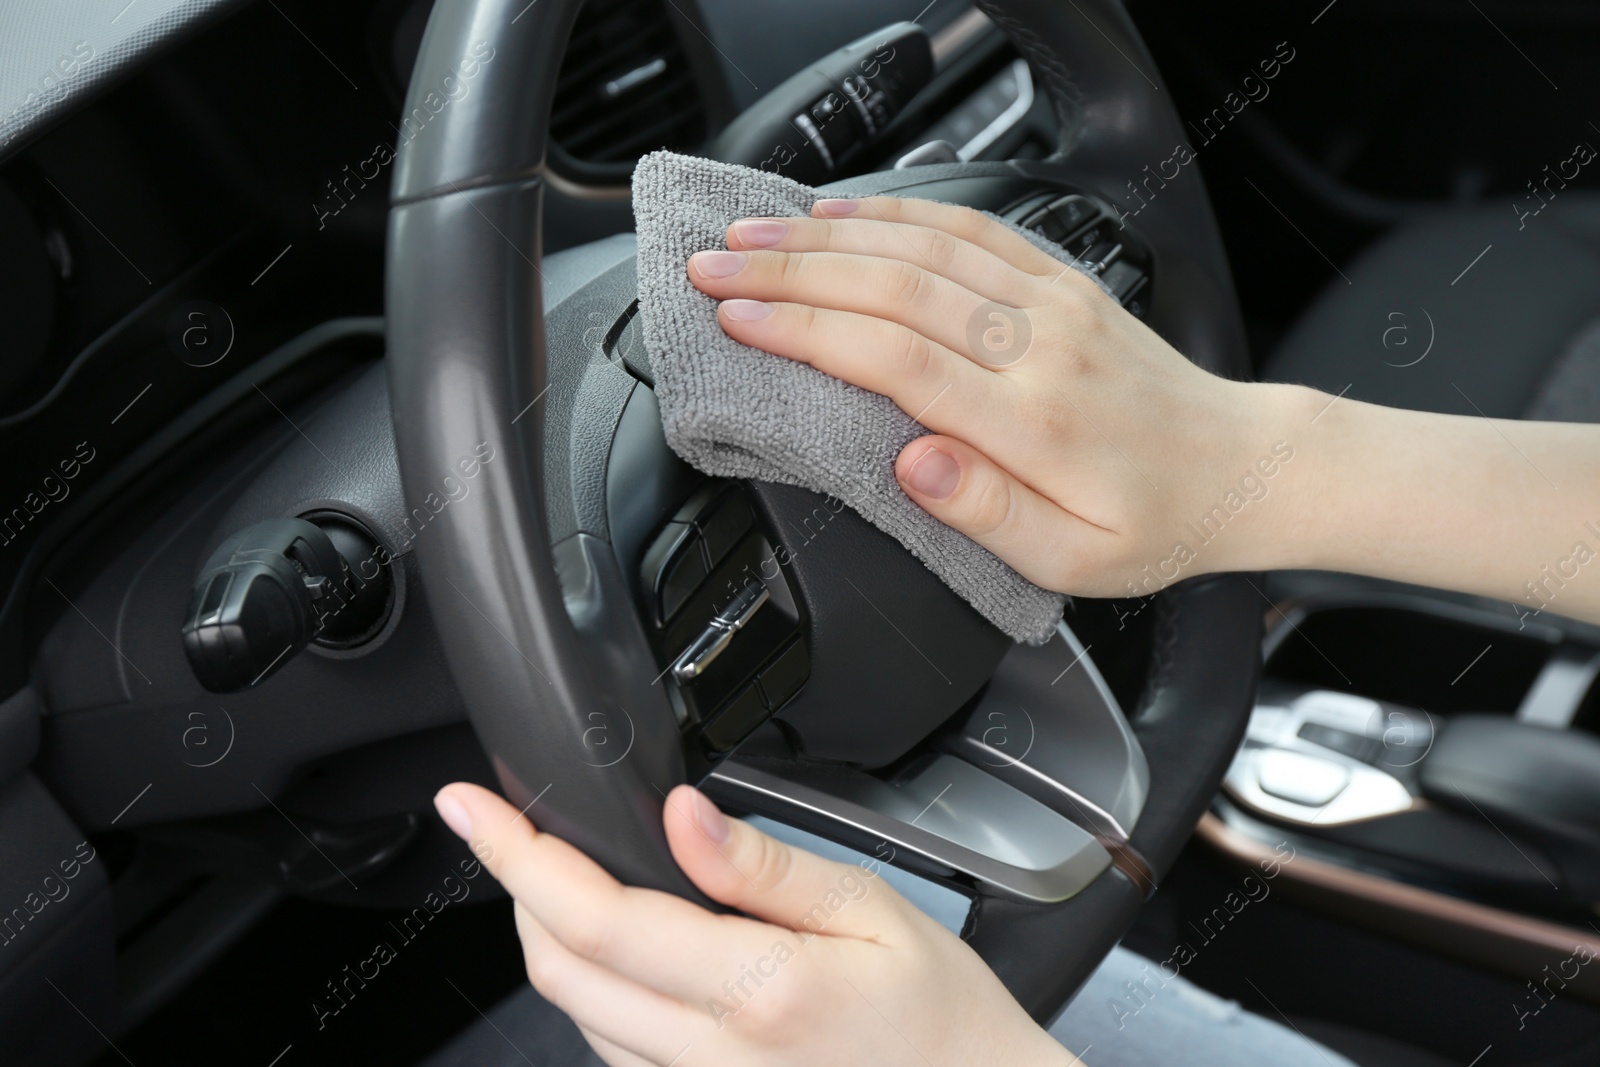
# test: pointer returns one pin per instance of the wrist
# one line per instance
(1293, 416)
(1330, 488)
(1258, 487)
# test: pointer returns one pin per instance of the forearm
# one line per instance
(1496, 507)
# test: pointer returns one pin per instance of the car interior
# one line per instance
(335, 473)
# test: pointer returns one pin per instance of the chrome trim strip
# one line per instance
(1558, 691)
(945, 817)
(1049, 725)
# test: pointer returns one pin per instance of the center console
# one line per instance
(1433, 761)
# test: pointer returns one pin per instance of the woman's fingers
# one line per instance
(963, 488)
(736, 864)
(652, 938)
(884, 293)
(902, 292)
(966, 223)
(967, 264)
(644, 1023)
(878, 355)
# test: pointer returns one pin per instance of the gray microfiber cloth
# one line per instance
(735, 411)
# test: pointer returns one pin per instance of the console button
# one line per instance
(1357, 746)
(1301, 779)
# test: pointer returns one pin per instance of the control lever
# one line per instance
(813, 125)
(270, 590)
(700, 654)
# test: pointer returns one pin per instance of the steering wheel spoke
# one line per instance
(1048, 725)
(1029, 795)
(941, 817)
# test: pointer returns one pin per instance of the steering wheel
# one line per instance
(919, 733)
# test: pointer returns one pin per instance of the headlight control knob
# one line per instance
(270, 590)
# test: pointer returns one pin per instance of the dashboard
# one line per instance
(192, 232)
(189, 189)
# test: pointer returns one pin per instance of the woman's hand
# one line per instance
(832, 966)
(1068, 438)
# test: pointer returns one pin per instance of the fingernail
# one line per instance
(934, 474)
(760, 233)
(454, 814)
(718, 264)
(711, 820)
(837, 207)
(746, 310)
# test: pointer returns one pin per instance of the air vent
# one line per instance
(625, 87)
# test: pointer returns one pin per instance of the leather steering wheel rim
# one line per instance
(468, 363)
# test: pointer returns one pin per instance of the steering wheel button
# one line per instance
(682, 576)
(741, 716)
(786, 675)
(1137, 302)
(1123, 277)
(724, 527)
(1301, 779)
(1048, 225)
(1073, 211)
(1092, 236)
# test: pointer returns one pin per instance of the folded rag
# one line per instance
(734, 411)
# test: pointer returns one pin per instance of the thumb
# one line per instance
(735, 864)
(964, 489)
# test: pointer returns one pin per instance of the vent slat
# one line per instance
(637, 140)
(585, 61)
(597, 111)
(661, 135)
(612, 38)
